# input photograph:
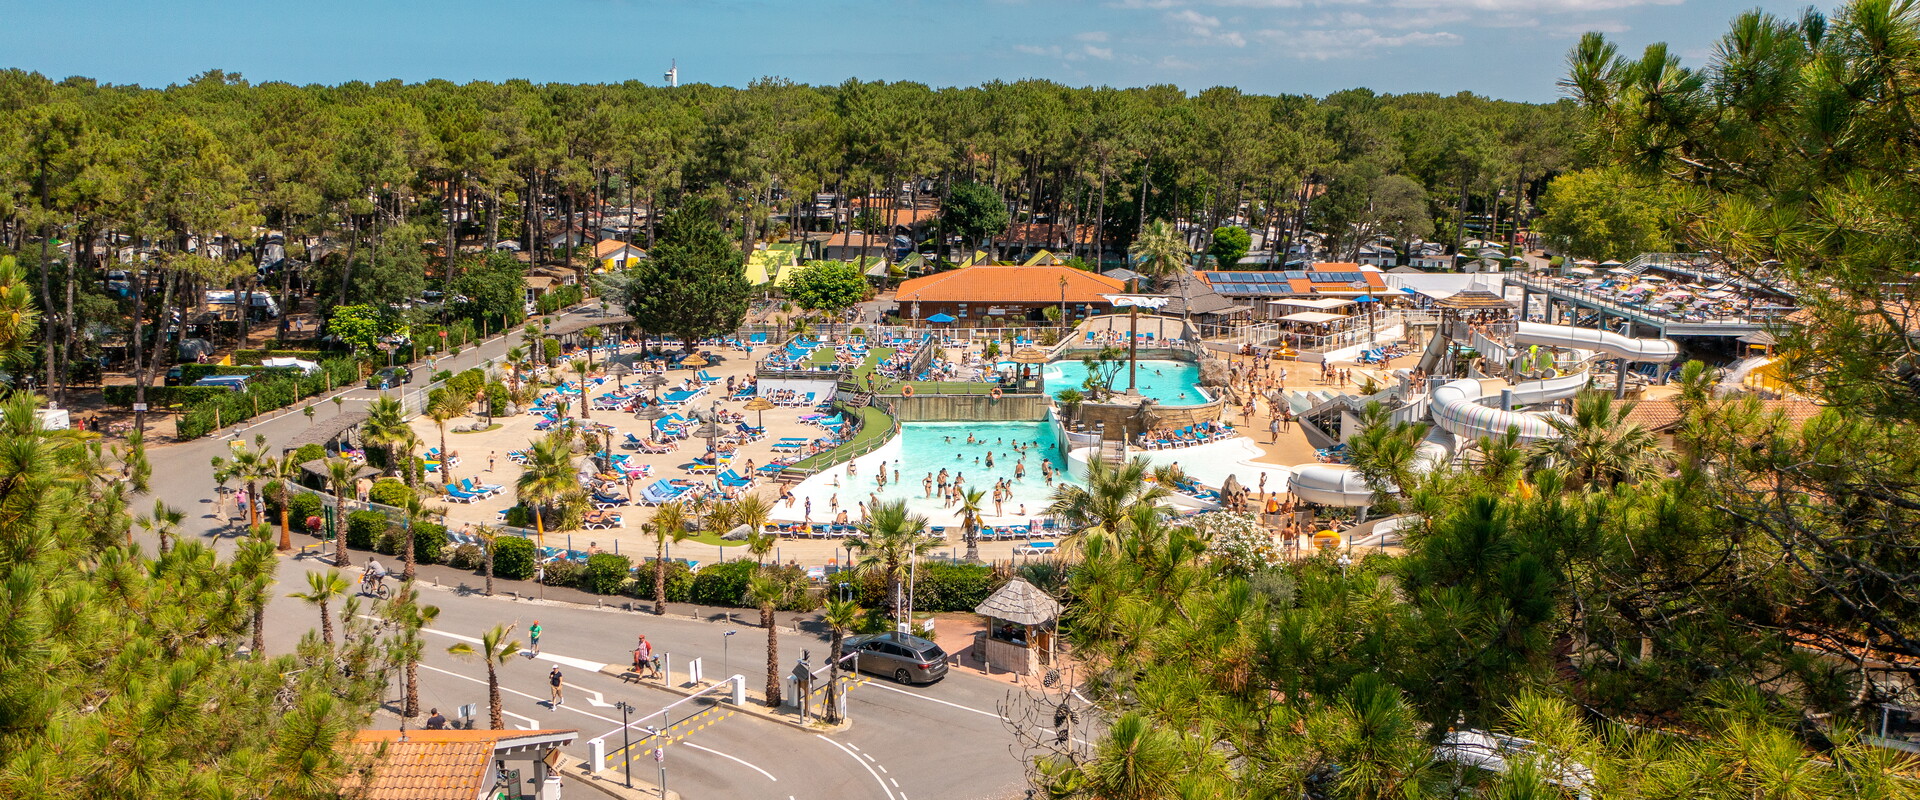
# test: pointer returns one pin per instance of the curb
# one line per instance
(753, 707)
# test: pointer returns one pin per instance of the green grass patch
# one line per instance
(822, 356)
(494, 427)
(711, 539)
(875, 425)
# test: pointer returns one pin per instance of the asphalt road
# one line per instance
(945, 741)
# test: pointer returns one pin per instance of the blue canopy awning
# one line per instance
(941, 318)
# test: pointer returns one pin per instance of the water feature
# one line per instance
(925, 448)
(1172, 383)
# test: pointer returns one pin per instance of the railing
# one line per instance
(1648, 315)
(848, 451)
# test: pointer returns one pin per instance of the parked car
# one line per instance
(906, 659)
(231, 383)
(393, 377)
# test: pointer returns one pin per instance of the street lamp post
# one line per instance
(626, 739)
(726, 659)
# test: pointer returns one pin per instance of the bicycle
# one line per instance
(375, 586)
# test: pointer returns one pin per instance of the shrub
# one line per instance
(953, 587)
(517, 517)
(466, 556)
(679, 582)
(722, 584)
(562, 572)
(301, 506)
(364, 529)
(430, 542)
(513, 558)
(497, 399)
(390, 492)
(607, 573)
(309, 452)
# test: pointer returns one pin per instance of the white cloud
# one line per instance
(1205, 30)
(1091, 36)
(1102, 53)
(1036, 50)
(1154, 4)
(1326, 45)
(1200, 23)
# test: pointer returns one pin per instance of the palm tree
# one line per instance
(249, 466)
(406, 612)
(1109, 496)
(766, 593)
(487, 535)
(548, 477)
(442, 409)
(279, 487)
(322, 588)
(752, 511)
(405, 443)
(893, 539)
(1601, 447)
(591, 333)
(164, 523)
(516, 357)
(580, 368)
(970, 504)
(840, 616)
(385, 419)
(417, 512)
(494, 650)
(253, 562)
(669, 524)
(341, 475)
(1159, 252)
(1386, 453)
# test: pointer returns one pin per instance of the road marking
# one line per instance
(736, 760)
(563, 706)
(531, 722)
(565, 661)
(957, 705)
(594, 698)
(856, 759)
(895, 782)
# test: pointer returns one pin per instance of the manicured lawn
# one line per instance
(712, 539)
(821, 357)
(875, 425)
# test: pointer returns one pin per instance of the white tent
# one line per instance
(1316, 303)
(1580, 271)
(1315, 317)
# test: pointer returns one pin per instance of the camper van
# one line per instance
(260, 305)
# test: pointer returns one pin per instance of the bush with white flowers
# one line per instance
(1237, 541)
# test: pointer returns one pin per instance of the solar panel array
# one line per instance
(1251, 284)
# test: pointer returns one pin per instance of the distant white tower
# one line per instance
(673, 73)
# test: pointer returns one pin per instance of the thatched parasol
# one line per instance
(1020, 603)
(759, 405)
(1474, 299)
(696, 360)
(1029, 355)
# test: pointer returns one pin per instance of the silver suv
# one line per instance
(906, 659)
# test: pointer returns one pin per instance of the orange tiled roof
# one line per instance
(1045, 234)
(429, 765)
(608, 247)
(1664, 414)
(1009, 284)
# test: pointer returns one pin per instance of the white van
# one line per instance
(260, 304)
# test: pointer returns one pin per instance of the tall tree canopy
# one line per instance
(694, 286)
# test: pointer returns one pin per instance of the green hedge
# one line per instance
(607, 573)
(497, 399)
(679, 582)
(364, 529)
(430, 542)
(208, 407)
(513, 558)
(953, 587)
(301, 506)
(191, 373)
(390, 492)
(309, 452)
(723, 584)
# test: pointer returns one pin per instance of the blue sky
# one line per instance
(1512, 49)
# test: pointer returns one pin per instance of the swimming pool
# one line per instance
(1172, 383)
(926, 448)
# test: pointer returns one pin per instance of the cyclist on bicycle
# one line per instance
(375, 575)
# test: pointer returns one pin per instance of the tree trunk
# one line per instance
(493, 698)
(259, 630)
(326, 625)
(407, 531)
(413, 685)
(773, 659)
(136, 279)
(489, 569)
(660, 577)
(353, 243)
(286, 533)
(339, 530)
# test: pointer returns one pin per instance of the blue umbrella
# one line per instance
(1365, 298)
(940, 318)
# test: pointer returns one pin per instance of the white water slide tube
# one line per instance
(1340, 485)
(1613, 344)
(1456, 409)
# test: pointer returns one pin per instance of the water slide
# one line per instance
(1613, 344)
(1340, 485)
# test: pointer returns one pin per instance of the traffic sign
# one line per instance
(139, 406)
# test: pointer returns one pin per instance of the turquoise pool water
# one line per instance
(926, 448)
(1172, 383)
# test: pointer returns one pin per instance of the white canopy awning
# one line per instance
(1315, 303)
(1312, 316)
(1580, 271)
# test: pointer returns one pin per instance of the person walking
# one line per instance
(643, 657)
(1273, 430)
(553, 681)
(533, 634)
